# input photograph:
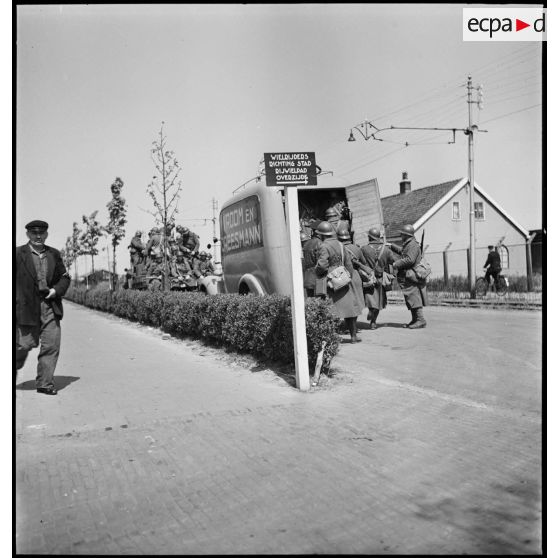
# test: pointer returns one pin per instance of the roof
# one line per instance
(404, 209)
(417, 206)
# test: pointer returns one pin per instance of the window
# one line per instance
(479, 211)
(504, 256)
(455, 211)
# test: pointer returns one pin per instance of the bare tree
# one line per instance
(117, 219)
(164, 190)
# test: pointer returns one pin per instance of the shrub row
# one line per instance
(260, 326)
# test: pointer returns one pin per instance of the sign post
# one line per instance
(291, 170)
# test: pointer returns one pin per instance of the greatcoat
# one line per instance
(345, 300)
(410, 255)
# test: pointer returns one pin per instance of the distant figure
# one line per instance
(492, 266)
(41, 282)
(414, 293)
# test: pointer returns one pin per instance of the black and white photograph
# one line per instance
(279, 279)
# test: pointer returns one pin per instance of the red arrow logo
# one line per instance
(519, 25)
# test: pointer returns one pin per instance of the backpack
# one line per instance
(339, 276)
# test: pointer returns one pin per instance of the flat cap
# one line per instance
(37, 224)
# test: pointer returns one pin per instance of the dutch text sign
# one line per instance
(290, 169)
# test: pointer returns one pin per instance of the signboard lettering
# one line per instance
(291, 169)
(241, 226)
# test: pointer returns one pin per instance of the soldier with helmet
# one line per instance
(345, 300)
(188, 241)
(203, 266)
(410, 254)
(378, 257)
(357, 260)
(310, 253)
(137, 251)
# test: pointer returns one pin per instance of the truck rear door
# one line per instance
(364, 202)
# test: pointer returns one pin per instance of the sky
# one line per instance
(230, 82)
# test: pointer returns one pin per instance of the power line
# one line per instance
(510, 113)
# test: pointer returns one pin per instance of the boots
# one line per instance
(372, 316)
(420, 322)
(352, 322)
(413, 318)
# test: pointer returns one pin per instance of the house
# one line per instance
(441, 213)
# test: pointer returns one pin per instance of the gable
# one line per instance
(403, 209)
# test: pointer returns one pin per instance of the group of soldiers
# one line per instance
(185, 260)
(370, 267)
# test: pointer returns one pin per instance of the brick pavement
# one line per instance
(180, 451)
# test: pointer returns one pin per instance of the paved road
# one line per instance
(158, 446)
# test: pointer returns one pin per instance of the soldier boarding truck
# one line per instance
(254, 235)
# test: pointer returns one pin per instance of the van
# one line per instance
(254, 236)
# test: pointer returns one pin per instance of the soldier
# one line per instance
(189, 243)
(345, 300)
(137, 250)
(154, 246)
(378, 257)
(357, 260)
(202, 266)
(414, 293)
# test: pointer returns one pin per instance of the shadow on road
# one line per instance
(60, 383)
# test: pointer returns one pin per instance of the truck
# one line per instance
(254, 236)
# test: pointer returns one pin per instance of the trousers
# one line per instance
(48, 336)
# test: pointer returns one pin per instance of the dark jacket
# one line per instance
(493, 262)
(28, 298)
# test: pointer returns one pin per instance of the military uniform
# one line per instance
(310, 255)
(414, 293)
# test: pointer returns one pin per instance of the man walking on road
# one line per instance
(414, 292)
(41, 282)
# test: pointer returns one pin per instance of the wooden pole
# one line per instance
(297, 291)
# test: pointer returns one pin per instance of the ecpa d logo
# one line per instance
(504, 24)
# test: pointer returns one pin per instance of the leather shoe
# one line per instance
(47, 391)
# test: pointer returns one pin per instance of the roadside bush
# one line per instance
(261, 326)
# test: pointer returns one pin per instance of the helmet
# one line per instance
(343, 234)
(304, 236)
(407, 230)
(330, 212)
(139, 233)
(203, 254)
(374, 233)
(325, 229)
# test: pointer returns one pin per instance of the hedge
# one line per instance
(259, 325)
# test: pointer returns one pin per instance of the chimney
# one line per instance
(405, 184)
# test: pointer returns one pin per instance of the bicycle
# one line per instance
(501, 285)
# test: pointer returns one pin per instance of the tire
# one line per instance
(481, 286)
(501, 286)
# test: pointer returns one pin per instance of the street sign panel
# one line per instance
(291, 169)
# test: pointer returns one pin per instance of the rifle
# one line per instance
(422, 243)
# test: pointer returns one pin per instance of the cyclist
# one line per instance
(492, 266)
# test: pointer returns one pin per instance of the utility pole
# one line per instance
(214, 207)
(369, 131)
(471, 150)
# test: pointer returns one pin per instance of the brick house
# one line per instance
(442, 212)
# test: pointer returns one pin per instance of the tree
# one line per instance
(164, 190)
(76, 248)
(90, 237)
(117, 218)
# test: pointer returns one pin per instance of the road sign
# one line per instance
(291, 169)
